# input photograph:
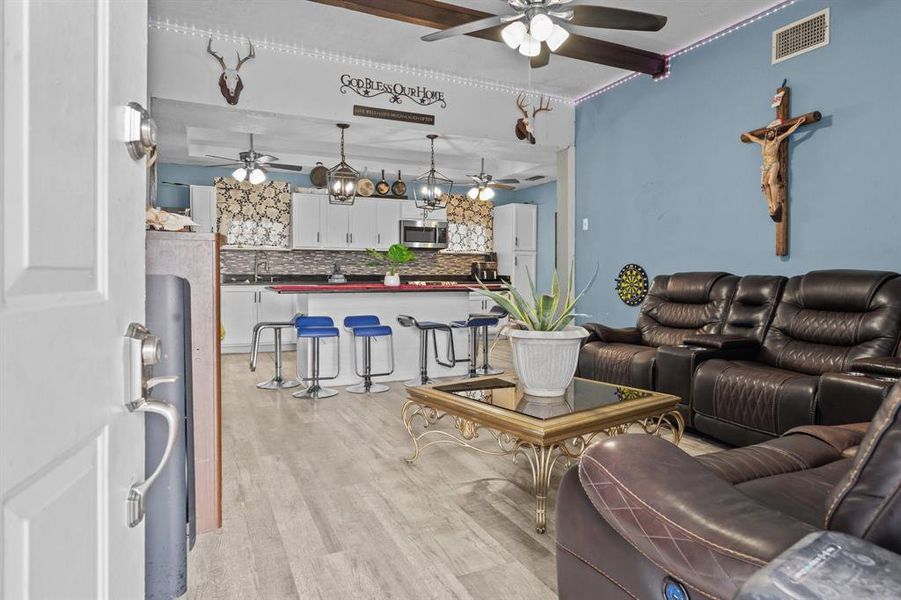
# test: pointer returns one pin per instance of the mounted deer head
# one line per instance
(230, 83)
(524, 129)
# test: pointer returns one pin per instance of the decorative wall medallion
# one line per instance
(632, 284)
(396, 92)
(470, 225)
(254, 215)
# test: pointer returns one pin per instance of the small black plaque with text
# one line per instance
(393, 115)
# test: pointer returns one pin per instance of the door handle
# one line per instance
(135, 502)
(516, 241)
(317, 237)
(379, 238)
(144, 351)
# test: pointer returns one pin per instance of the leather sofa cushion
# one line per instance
(800, 494)
(867, 502)
(754, 396)
(796, 451)
(827, 319)
(684, 304)
(621, 364)
(753, 306)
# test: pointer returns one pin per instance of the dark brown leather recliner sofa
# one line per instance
(637, 508)
(677, 306)
(824, 322)
(756, 373)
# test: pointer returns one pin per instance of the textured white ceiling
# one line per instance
(331, 29)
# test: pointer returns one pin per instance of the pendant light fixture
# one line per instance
(431, 189)
(342, 178)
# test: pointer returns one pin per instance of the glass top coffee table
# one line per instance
(543, 430)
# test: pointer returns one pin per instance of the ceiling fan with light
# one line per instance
(253, 166)
(535, 27)
(484, 185)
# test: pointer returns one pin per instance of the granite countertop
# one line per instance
(269, 279)
(378, 287)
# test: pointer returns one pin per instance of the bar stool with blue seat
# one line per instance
(426, 327)
(316, 329)
(479, 323)
(367, 327)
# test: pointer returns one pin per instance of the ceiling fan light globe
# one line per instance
(257, 176)
(541, 26)
(486, 194)
(558, 36)
(513, 34)
(530, 46)
(240, 173)
(473, 193)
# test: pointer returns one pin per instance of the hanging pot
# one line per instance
(365, 186)
(319, 175)
(399, 188)
(382, 188)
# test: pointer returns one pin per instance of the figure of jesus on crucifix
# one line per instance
(771, 176)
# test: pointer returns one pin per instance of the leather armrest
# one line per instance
(847, 398)
(611, 335)
(886, 366)
(840, 437)
(721, 342)
(683, 517)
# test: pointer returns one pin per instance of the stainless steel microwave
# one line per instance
(423, 234)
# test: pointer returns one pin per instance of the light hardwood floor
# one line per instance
(319, 503)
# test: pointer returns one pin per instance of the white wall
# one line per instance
(294, 84)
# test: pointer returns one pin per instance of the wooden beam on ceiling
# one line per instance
(441, 15)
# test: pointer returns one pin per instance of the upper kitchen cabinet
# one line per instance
(203, 208)
(516, 228)
(367, 223)
(409, 212)
(306, 220)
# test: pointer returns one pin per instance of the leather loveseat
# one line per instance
(638, 509)
(757, 372)
(824, 322)
(677, 306)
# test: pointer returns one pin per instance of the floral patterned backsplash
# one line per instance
(470, 225)
(254, 215)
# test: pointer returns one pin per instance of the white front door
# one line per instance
(71, 281)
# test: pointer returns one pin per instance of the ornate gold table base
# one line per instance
(541, 459)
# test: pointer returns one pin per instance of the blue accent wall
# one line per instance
(545, 196)
(665, 182)
(176, 196)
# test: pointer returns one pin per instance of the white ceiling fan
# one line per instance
(253, 166)
(485, 185)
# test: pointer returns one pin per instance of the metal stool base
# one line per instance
(482, 371)
(416, 382)
(374, 388)
(277, 383)
(315, 391)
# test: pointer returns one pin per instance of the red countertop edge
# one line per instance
(357, 288)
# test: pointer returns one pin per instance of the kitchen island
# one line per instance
(444, 302)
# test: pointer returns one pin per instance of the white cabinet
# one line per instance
(203, 208)
(515, 242)
(306, 220)
(363, 220)
(243, 306)
(409, 212)
(387, 228)
(336, 233)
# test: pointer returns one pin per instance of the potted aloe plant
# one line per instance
(397, 255)
(544, 343)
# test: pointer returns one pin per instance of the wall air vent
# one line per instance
(801, 36)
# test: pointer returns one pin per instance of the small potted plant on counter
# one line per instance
(544, 344)
(397, 255)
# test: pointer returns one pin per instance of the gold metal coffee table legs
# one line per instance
(541, 458)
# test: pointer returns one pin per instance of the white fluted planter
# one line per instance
(545, 361)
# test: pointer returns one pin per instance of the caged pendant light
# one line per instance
(342, 178)
(431, 189)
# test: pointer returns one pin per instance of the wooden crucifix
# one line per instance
(773, 141)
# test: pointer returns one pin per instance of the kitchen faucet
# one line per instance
(257, 263)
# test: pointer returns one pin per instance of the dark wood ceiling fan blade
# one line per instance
(543, 58)
(616, 18)
(235, 160)
(284, 167)
(464, 29)
(501, 186)
(507, 181)
(231, 164)
(602, 52)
